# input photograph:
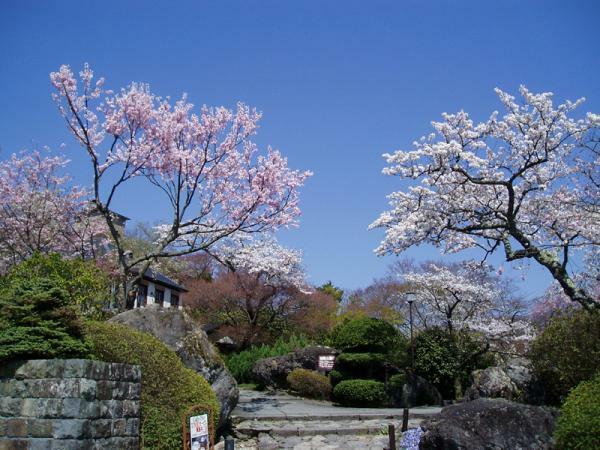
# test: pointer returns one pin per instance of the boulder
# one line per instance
(272, 372)
(181, 334)
(490, 424)
(513, 380)
(418, 391)
(492, 382)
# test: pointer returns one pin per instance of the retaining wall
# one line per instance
(69, 404)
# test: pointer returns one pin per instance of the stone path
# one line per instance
(271, 421)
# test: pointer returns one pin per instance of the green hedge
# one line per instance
(566, 353)
(168, 388)
(361, 365)
(578, 426)
(365, 334)
(309, 383)
(360, 393)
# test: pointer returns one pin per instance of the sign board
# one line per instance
(199, 432)
(326, 362)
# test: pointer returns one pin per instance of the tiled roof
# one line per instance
(157, 277)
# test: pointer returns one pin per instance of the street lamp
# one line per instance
(410, 298)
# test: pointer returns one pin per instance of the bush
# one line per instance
(168, 388)
(361, 365)
(360, 393)
(38, 320)
(309, 383)
(84, 284)
(240, 364)
(335, 376)
(365, 334)
(566, 353)
(578, 425)
(447, 361)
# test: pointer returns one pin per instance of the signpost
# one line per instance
(200, 434)
(326, 363)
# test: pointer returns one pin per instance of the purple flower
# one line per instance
(411, 438)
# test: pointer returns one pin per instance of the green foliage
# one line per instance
(240, 364)
(309, 383)
(360, 393)
(361, 365)
(84, 284)
(330, 289)
(335, 376)
(38, 320)
(168, 388)
(365, 334)
(447, 360)
(566, 353)
(578, 426)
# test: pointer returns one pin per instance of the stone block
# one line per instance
(80, 408)
(41, 428)
(16, 427)
(10, 407)
(40, 444)
(99, 428)
(14, 444)
(45, 408)
(133, 427)
(77, 368)
(131, 408)
(68, 428)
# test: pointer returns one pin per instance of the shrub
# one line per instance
(168, 388)
(240, 364)
(360, 393)
(578, 425)
(309, 383)
(566, 353)
(361, 365)
(365, 334)
(84, 284)
(447, 361)
(38, 320)
(335, 376)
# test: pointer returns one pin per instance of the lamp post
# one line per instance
(410, 298)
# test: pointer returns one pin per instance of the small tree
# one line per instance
(526, 183)
(205, 164)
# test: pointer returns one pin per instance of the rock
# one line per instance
(179, 332)
(492, 382)
(513, 380)
(490, 424)
(272, 372)
(417, 391)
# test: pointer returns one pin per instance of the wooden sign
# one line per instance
(326, 362)
(200, 434)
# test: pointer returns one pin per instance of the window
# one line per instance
(160, 297)
(174, 300)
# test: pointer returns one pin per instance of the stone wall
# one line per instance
(69, 404)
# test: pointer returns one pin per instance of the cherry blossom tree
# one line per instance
(40, 213)
(261, 286)
(205, 164)
(525, 183)
(466, 296)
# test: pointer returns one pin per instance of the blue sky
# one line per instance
(339, 83)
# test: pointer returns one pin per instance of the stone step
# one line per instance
(413, 414)
(295, 427)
